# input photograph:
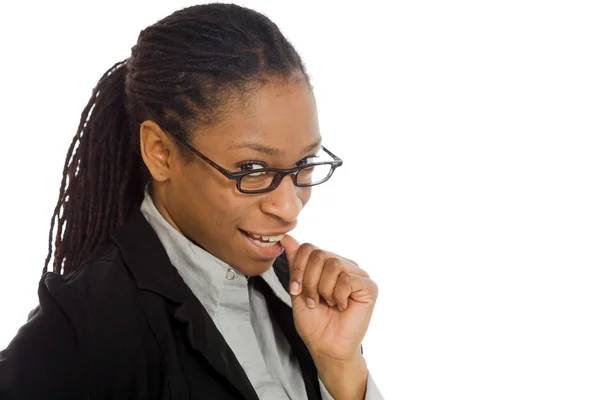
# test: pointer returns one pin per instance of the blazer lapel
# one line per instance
(152, 271)
(205, 338)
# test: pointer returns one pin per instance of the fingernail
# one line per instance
(311, 303)
(340, 307)
(330, 303)
(295, 288)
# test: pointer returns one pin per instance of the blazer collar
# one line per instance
(152, 271)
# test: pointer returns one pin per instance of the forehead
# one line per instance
(282, 116)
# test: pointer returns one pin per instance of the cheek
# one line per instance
(223, 200)
(206, 190)
(228, 208)
(217, 201)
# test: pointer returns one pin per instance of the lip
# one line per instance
(266, 234)
(265, 253)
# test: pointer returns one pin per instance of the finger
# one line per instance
(290, 246)
(331, 271)
(350, 266)
(355, 268)
(343, 290)
(297, 269)
(364, 290)
(312, 276)
(355, 287)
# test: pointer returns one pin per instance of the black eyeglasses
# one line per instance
(264, 180)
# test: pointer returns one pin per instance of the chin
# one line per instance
(255, 267)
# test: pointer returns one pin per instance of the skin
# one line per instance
(332, 298)
(204, 205)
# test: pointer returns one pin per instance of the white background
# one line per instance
(470, 189)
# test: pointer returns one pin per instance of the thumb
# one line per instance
(290, 245)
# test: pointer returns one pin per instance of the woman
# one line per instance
(192, 162)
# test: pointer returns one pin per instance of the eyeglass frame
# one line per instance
(277, 179)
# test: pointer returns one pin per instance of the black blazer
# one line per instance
(126, 326)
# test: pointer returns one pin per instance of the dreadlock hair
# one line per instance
(180, 74)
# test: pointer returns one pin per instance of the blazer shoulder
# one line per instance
(46, 355)
(101, 279)
(88, 324)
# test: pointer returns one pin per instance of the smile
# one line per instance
(264, 240)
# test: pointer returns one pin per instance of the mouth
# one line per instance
(263, 240)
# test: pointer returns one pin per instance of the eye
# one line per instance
(308, 160)
(251, 165)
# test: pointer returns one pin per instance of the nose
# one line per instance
(286, 201)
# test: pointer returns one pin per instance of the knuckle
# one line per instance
(375, 287)
(335, 265)
(307, 247)
(356, 268)
(364, 273)
(304, 249)
(345, 278)
(318, 255)
(352, 261)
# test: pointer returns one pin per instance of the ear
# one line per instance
(156, 150)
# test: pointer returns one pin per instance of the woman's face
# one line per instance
(276, 127)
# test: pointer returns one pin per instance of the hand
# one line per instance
(332, 302)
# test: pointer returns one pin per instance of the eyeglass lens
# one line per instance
(307, 177)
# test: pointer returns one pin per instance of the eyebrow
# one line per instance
(270, 151)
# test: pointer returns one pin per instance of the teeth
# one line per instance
(263, 244)
(273, 238)
(269, 238)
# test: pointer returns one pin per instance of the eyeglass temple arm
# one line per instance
(336, 158)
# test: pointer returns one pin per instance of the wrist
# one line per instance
(344, 379)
